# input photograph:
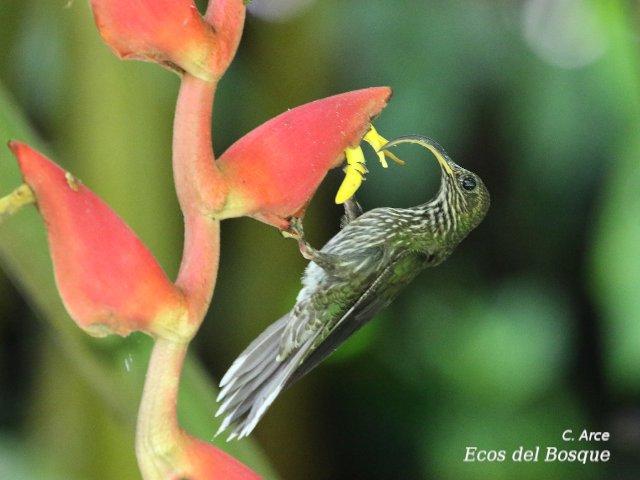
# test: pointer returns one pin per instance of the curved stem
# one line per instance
(199, 184)
(199, 268)
(163, 449)
(201, 190)
(159, 440)
(157, 428)
(227, 18)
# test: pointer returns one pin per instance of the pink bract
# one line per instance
(108, 279)
(170, 32)
(274, 170)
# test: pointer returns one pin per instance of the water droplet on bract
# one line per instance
(128, 362)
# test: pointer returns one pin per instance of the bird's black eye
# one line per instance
(469, 183)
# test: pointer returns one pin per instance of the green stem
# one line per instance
(157, 430)
(20, 197)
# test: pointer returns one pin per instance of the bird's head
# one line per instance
(462, 192)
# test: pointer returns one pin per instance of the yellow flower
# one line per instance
(356, 169)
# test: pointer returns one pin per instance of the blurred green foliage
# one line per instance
(530, 328)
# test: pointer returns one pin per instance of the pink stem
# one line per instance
(227, 18)
(199, 269)
(159, 444)
(199, 184)
(201, 189)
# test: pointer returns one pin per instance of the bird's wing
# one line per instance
(379, 295)
(312, 312)
(362, 251)
(255, 379)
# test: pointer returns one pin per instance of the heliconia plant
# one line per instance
(111, 283)
(108, 280)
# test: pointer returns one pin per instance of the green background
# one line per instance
(530, 328)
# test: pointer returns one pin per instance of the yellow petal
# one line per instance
(360, 167)
(376, 141)
(353, 175)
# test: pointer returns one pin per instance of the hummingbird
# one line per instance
(359, 271)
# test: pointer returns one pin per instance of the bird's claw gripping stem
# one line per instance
(296, 232)
(327, 261)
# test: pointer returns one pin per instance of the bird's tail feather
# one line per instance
(254, 380)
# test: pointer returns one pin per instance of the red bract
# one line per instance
(170, 32)
(208, 462)
(273, 171)
(108, 280)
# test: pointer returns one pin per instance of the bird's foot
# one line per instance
(296, 232)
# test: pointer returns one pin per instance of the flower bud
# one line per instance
(208, 462)
(169, 32)
(108, 279)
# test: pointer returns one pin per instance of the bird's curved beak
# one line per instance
(429, 144)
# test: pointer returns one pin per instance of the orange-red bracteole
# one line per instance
(170, 32)
(274, 170)
(108, 279)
